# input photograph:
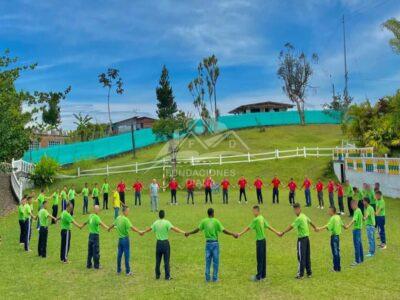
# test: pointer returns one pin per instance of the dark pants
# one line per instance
(93, 251)
(42, 244)
(340, 202)
(122, 197)
(261, 252)
(208, 194)
(358, 248)
(123, 249)
(73, 206)
(63, 204)
(331, 199)
(380, 222)
(85, 204)
(307, 194)
(275, 195)
(21, 231)
(96, 201)
(304, 256)
(225, 196)
(335, 247)
(54, 213)
(162, 250)
(259, 196)
(291, 197)
(242, 192)
(27, 233)
(138, 198)
(361, 206)
(320, 198)
(105, 200)
(173, 196)
(190, 195)
(65, 244)
(351, 211)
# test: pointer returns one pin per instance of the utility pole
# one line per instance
(133, 127)
(346, 74)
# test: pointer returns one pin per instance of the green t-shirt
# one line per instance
(85, 192)
(66, 220)
(369, 214)
(335, 225)
(123, 225)
(380, 204)
(301, 225)
(63, 195)
(348, 190)
(21, 215)
(40, 200)
(55, 198)
(259, 224)
(105, 188)
(358, 219)
(27, 211)
(43, 216)
(211, 227)
(372, 196)
(95, 192)
(94, 223)
(161, 228)
(71, 194)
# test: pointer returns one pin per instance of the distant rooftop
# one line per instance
(266, 106)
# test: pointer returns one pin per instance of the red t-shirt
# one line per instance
(307, 183)
(340, 190)
(190, 184)
(225, 184)
(319, 186)
(137, 186)
(207, 183)
(173, 185)
(258, 183)
(292, 186)
(276, 182)
(121, 187)
(242, 183)
(331, 187)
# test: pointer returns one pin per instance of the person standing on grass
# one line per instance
(307, 192)
(331, 190)
(28, 216)
(95, 194)
(123, 226)
(292, 191)
(301, 224)
(275, 189)
(359, 199)
(66, 219)
(63, 196)
(85, 193)
(357, 222)
(380, 217)
(40, 199)
(208, 183)
(94, 221)
(242, 183)
(349, 193)
(116, 204)
(138, 186)
(105, 188)
(319, 187)
(154, 188)
(259, 224)
(369, 219)
(211, 227)
(54, 207)
(334, 226)
(71, 198)
(161, 228)
(190, 185)
(340, 194)
(121, 187)
(21, 220)
(225, 186)
(258, 184)
(44, 217)
(173, 186)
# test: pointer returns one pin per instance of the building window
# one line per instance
(254, 110)
(34, 145)
(54, 143)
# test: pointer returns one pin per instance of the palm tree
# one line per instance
(393, 25)
(82, 123)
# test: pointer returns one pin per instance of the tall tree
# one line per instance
(51, 112)
(166, 105)
(212, 73)
(339, 106)
(111, 79)
(295, 70)
(82, 123)
(393, 25)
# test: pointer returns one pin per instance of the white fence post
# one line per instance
(248, 157)
(305, 152)
(317, 151)
(107, 170)
(78, 171)
(386, 165)
(192, 161)
(136, 167)
(220, 159)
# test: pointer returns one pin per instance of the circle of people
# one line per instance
(366, 208)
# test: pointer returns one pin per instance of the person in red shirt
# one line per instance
(242, 189)
(275, 189)
(225, 185)
(138, 186)
(121, 187)
(320, 193)
(258, 184)
(292, 191)
(331, 189)
(190, 184)
(173, 186)
(208, 183)
(307, 192)
(340, 193)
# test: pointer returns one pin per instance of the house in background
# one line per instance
(48, 139)
(137, 122)
(268, 106)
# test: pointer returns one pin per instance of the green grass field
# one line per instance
(25, 275)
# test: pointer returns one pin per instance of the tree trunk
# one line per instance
(109, 110)
(300, 110)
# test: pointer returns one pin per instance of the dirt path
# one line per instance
(7, 199)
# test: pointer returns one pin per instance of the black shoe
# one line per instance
(299, 277)
(309, 276)
(169, 278)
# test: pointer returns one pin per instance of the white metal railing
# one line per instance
(381, 165)
(20, 171)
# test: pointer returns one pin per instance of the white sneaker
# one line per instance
(318, 206)
(322, 207)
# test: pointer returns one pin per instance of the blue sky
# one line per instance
(73, 41)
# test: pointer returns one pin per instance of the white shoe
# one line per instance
(322, 207)
(318, 206)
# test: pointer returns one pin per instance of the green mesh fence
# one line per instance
(118, 144)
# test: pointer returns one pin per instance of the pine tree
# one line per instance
(166, 103)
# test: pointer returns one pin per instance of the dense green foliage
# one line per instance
(166, 105)
(45, 172)
(393, 25)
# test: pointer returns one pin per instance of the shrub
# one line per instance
(45, 171)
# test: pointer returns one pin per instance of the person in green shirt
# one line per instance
(349, 193)
(161, 228)
(211, 227)
(21, 220)
(40, 199)
(94, 221)
(85, 194)
(43, 217)
(63, 196)
(95, 194)
(301, 224)
(380, 216)
(105, 188)
(371, 196)
(259, 224)
(123, 226)
(357, 221)
(369, 218)
(55, 197)
(334, 226)
(66, 219)
(28, 215)
(71, 198)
